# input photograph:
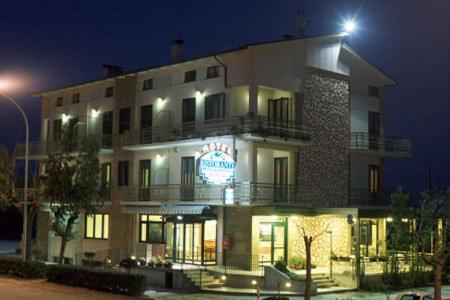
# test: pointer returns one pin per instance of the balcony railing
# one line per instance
(43, 148)
(366, 141)
(250, 124)
(365, 197)
(247, 192)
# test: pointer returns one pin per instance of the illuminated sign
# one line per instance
(216, 165)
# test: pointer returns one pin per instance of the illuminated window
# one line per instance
(151, 229)
(76, 98)
(97, 226)
(147, 84)
(212, 72)
(374, 178)
(59, 101)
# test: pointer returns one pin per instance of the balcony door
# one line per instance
(188, 117)
(374, 183)
(107, 129)
(187, 178)
(278, 110)
(374, 129)
(146, 124)
(280, 179)
(145, 167)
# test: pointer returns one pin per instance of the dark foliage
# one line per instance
(19, 268)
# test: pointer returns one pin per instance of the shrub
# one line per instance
(114, 282)
(159, 263)
(297, 260)
(23, 269)
(280, 265)
(142, 261)
(168, 264)
(128, 264)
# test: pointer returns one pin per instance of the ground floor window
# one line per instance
(96, 226)
(151, 229)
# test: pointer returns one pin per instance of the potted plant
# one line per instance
(151, 263)
(128, 264)
(298, 263)
(141, 261)
(168, 264)
(373, 257)
(159, 262)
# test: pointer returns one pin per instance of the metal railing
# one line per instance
(366, 141)
(367, 197)
(253, 124)
(42, 148)
(239, 264)
(212, 193)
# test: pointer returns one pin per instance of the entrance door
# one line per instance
(146, 124)
(272, 242)
(187, 239)
(280, 179)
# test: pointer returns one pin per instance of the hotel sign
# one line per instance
(216, 164)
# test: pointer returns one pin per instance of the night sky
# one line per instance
(54, 43)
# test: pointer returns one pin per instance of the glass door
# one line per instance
(187, 178)
(280, 179)
(272, 242)
(146, 124)
(187, 241)
(188, 117)
(179, 243)
(145, 166)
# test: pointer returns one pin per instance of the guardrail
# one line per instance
(212, 193)
(366, 141)
(254, 124)
(43, 148)
(366, 197)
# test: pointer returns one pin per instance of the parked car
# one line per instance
(419, 296)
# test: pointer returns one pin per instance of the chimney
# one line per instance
(111, 71)
(177, 50)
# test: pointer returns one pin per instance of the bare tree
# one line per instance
(308, 239)
(433, 219)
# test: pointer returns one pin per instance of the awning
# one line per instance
(167, 210)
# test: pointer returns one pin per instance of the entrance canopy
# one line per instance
(168, 210)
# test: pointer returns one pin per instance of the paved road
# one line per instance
(14, 289)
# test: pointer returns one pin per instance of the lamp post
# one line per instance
(25, 190)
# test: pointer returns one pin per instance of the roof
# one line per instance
(213, 54)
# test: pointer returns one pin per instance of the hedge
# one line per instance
(23, 269)
(114, 282)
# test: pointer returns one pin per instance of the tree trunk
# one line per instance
(308, 283)
(437, 273)
(62, 250)
(65, 237)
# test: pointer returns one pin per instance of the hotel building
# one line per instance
(225, 158)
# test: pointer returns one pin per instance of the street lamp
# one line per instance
(3, 86)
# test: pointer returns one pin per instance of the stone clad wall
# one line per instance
(324, 165)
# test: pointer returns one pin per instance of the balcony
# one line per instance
(361, 142)
(364, 197)
(248, 126)
(41, 149)
(243, 193)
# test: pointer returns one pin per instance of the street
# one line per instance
(15, 289)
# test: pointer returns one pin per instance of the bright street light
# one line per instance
(349, 26)
(4, 86)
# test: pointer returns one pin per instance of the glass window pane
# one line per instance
(143, 232)
(155, 218)
(98, 226)
(105, 226)
(144, 217)
(89, 226)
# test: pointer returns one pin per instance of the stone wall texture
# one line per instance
(324, 165)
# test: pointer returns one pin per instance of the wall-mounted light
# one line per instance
(94, 113)
(161, 99)
(159, 159)
(65, 118)
(198, 93)
(405, 220)
(288, 284)
(389, 219)
(180, 218)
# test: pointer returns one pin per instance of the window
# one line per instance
(109, 92)
(57, 129)
(190, 76)
(212, 72)
(76, 98)
(151, 229)
(123, 171)
(105, 174)
(59, 101)
(188, 110)
(373, 91)
(147, 84)
(215, 107)
(374, 179)
(124, 120)
(96, 226)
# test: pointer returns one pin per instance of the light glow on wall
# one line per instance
(65, 118)
(159, 159)
(95, 113)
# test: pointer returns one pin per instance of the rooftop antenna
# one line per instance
(302, 22)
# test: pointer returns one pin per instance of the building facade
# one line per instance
(229, 157)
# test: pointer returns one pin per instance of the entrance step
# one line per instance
(204, 279)
(323, 281)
